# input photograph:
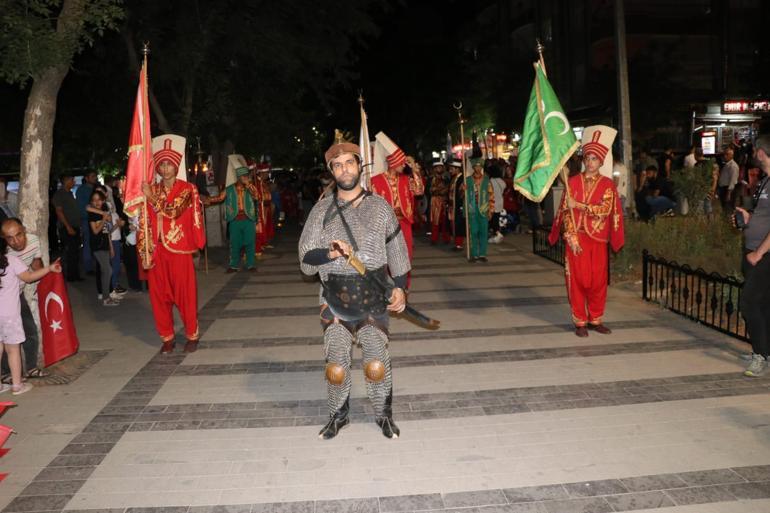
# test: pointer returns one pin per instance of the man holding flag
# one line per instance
(170, 225)
(590, 214)
(589, 217)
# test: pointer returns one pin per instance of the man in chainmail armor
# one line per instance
(352, 221)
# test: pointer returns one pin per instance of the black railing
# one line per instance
(707, 298)
(541, 247)
(554, 253)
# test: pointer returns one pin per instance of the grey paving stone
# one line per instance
(709, 477)
(535, 493)
(367, 505)
(53, 487)
(161, 509)
(654, 482)
(589, 505)
(96, 438)
(97, 448)
(285, 507)
(31, 503)
(76, 460)
(750, 490)
(64, 473)
(176, 426)
(639, 500)
(700, 495)
(104, 510)
(474, 498)
(233, 508)
(595, 488)
(524, 507)
(411, 503)
(120, 427)
(754, 473)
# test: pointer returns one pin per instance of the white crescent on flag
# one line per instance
(559, 115)
(53, 296)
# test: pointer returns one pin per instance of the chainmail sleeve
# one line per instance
(311, 235)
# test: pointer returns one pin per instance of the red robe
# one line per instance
(439, 192)
(176, 232)
(400, 192)
(265, 228)
(586, 262)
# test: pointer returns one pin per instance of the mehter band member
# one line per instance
(589, 218)
(241, 213)
(176, 232)
(352, 221)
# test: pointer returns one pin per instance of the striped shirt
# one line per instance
(30, 252)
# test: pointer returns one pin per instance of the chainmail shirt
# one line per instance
(372, 222)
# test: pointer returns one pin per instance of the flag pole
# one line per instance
(365, 144)
(145, 52)
(564, 175)
(459, 108)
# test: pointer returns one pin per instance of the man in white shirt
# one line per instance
(728, 179)
(689, 159)
(26, 247)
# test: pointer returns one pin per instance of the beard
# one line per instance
(348, 184)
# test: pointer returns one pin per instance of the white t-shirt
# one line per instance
(689, 160)
(498, 187)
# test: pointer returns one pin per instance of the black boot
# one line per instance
(389, 428)
(336, 422)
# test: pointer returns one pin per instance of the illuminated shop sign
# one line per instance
(745, 106)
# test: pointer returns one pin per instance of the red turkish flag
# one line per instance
(139, 169)
(59, 337)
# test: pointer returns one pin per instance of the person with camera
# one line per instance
(755, 296)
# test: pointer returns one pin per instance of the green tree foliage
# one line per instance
(31, 42)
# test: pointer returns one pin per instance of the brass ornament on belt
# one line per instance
(374, 371)
(335, 373)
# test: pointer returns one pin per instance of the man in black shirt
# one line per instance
(659, 194)
(68, 216)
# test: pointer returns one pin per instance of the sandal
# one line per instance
(21, 389)
(37, 372)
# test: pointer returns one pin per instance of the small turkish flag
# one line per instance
(59, 337)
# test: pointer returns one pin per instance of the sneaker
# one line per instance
(668, 213)
(115, 296)
(120, 290)
(21, 389)
(747, 357)
(497, 239)
(757, 366)
(110, 302)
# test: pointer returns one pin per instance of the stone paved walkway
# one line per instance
(502, 410)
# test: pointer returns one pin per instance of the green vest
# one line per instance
(231, 204)
(483, 207)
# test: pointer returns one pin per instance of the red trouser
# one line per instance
(587, 280)
(172, 282)
(440, 229)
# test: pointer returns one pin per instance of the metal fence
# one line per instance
(707, 298)
(555, 253)
(541, 247)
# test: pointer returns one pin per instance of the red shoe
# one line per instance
(581, 331)
(191, 346)
(168, 347)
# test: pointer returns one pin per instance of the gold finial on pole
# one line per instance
(540, 48)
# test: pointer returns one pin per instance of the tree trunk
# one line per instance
(36, 149)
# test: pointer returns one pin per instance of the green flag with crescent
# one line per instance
(547, 141)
